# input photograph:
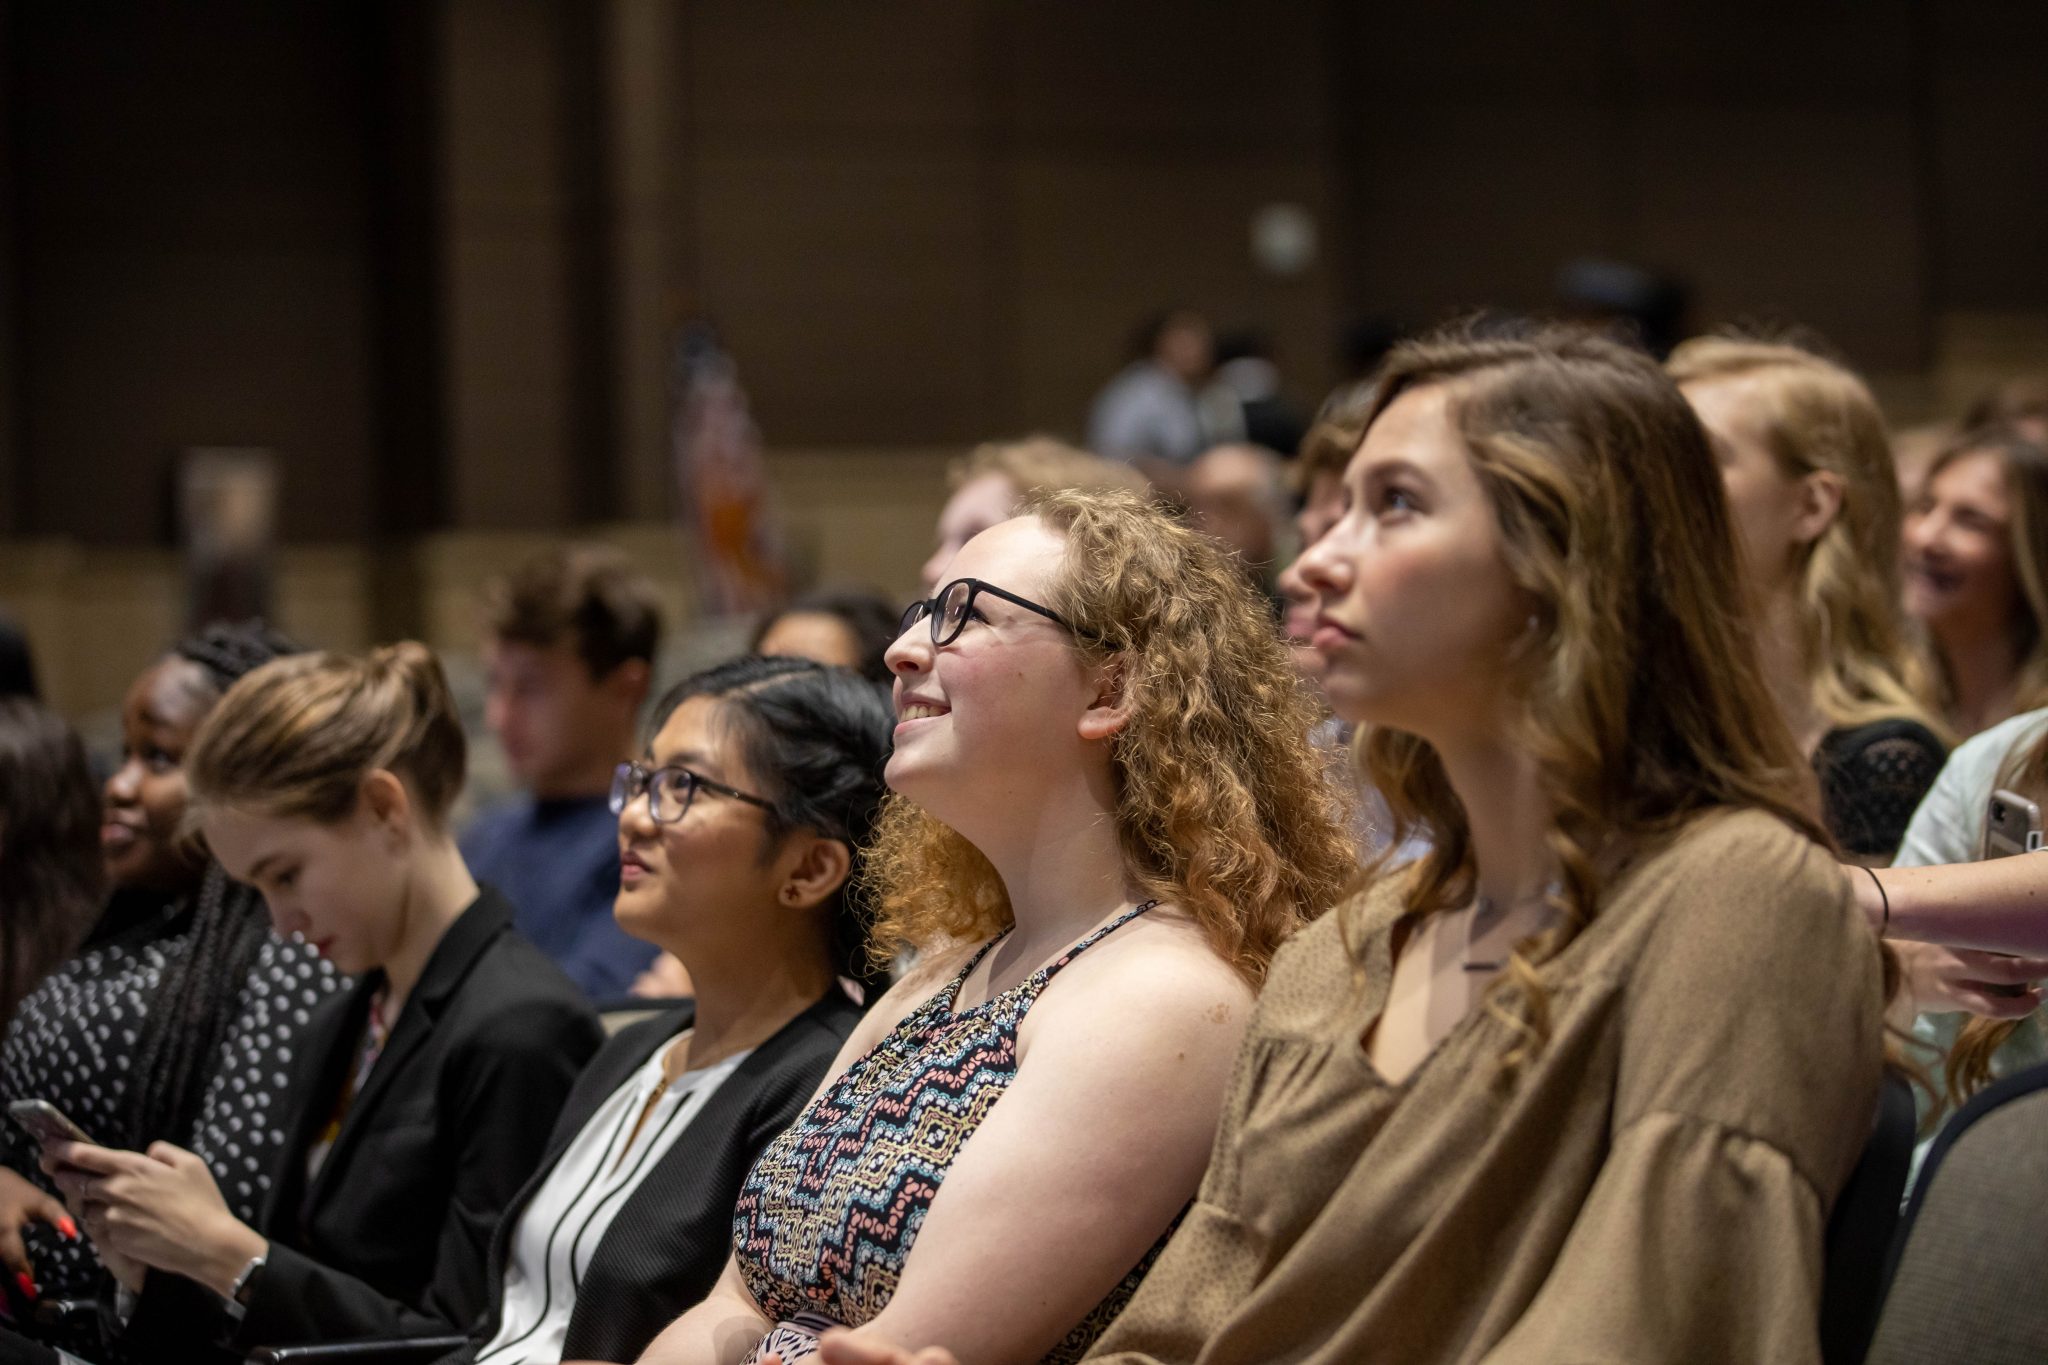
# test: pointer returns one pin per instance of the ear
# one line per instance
(820, 869)
(1110, 711)
(628, 682)
(385, 800)
(1820, 502)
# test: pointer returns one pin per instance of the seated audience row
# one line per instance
(1620, 653)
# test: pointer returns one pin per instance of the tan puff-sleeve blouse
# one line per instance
(1652, 1188)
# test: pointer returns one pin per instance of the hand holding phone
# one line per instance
(46, 1123)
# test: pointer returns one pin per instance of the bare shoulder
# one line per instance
(1157, 977)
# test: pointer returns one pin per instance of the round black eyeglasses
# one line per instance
(669, 790)
(951, 609)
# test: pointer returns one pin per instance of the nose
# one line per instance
(911, 653)
(636, 817)
(1321, 570)
(1292, 586)
(124, 784)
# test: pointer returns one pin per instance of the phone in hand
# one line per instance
(46, 1123)
(2012, 825)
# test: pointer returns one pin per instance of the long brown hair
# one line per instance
(1816, 415)
(2025, 466)
(1224, 808)
(1645, 705)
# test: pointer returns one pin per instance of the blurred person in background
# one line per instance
(1243, 400)
(1976, 578)
(1148, 414)
(2020, 402)
(570, 642)
(1815, 504)
(990, 481)
(174, 1020)
(847, 628)
(1236, 494)
(51, 875)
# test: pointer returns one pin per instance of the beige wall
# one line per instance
(95, 615)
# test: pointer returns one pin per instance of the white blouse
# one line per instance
(561, 1226)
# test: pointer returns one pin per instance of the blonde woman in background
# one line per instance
(1815, 503)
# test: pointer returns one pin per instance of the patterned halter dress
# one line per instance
(829, 1213)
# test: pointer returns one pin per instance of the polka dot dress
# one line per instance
(71, 1044)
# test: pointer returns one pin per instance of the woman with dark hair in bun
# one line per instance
(173, 1021)
(420, 1098)
(740, 834)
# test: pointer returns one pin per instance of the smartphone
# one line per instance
(2012, 825)
(46, 1123)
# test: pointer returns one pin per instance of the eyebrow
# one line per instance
(691, 758)
(1392, 464)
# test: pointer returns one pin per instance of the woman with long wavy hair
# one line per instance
(1108, 817)
(1976, 558)
(1815, 502)
(1584, 1080)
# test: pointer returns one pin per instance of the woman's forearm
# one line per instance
(1998, 906)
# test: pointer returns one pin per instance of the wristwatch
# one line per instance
(245, 1283)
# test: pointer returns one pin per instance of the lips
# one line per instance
(119, 834)
(632, 868)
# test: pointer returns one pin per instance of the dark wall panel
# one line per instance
(191, 256)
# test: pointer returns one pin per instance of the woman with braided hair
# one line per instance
(175, 1018)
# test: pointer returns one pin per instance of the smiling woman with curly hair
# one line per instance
(1107, 818)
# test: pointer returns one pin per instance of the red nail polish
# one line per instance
(67, 1229)
(27, 1283)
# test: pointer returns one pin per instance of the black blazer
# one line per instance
(669, 1241)
(447, 1128)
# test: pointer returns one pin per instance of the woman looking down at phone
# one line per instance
(171, 1021)
(421, 1097)
(1509, 1105)
(1108, 815)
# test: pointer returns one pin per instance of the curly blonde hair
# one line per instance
(1645, 704)
(1816, 415)
(1223, 806)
